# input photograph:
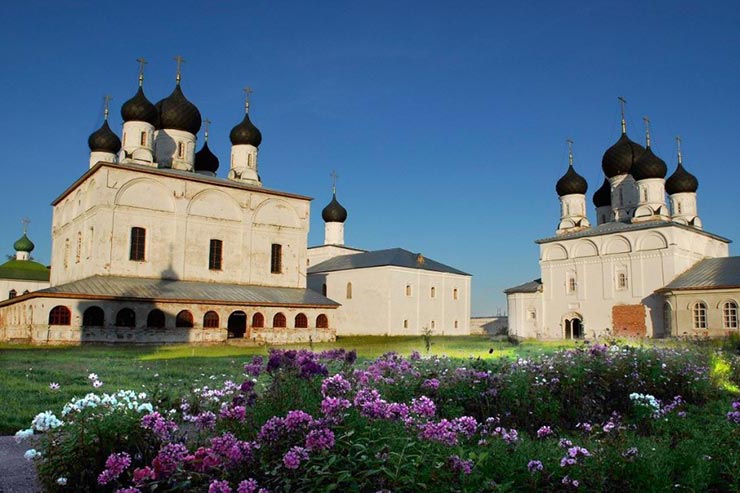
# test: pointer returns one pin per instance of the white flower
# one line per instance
(45, 421)
(31, 454)
(97, 384)
(61, 481)
(146, 407)
(92, 376)
(23, 434)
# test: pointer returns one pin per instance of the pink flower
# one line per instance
(54, 386)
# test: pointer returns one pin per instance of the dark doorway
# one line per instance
(573, 328)
(237, 325)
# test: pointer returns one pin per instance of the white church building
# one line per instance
(391, 292)
(647, 268)
(149, 245)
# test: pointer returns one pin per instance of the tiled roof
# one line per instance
(617, 227)
(397, 257)
(527, 287)
(711, 273)
(185, 291)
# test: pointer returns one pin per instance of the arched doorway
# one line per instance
(237, 325)
(573, 326)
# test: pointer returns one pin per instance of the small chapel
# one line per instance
(647, 268)
(149, 245)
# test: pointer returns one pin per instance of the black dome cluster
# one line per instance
(177, 113)
(139, 109)
(681, 181)
(334, 212)
(245, 133)
(205, 160)
(603, 196)
(649, 166)
(570, 183)
(619, 158)
(104, 140)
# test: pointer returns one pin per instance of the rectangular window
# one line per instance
(214, 255)
(276, 259)
(143, 139)
(180, 150)
(138, 244)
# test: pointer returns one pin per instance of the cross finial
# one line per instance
(334, 177)
(207, 123)
(570, 151)
(142, 61)
(647, 130)
(247, 92)
(180, 60)
(622, 102)
(106, 101)
(25, 221)
(678, 145)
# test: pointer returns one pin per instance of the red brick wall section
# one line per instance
(629, 320)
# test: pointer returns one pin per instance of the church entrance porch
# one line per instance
(573, 327)
(237, 325)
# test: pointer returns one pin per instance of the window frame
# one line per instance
(137, 244)
(729, 314)
(699, 315)
(60, 315)
(215, 254)
(276, 258)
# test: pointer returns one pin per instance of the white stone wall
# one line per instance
(91, 229)
(682, 315)
(20, 286)
(379, 304)
(649, 259)
(525, 312)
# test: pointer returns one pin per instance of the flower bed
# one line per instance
(593, 419)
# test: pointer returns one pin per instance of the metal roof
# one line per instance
(397, 257)
(190, 291)
(711, 273)
(527, 287)
(617, 227)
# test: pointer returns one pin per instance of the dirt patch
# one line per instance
(17, 475)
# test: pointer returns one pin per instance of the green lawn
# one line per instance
(163, 371)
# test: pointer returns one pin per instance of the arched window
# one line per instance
(155, 319)
(408, 290)
(405, 324)
(729, 315)
(301, 321)
(180, 150)
(12, 294)
(700, 315)
(258, 320)
(126, 317)
(210, 320)
(667, 319)
(184, 320)
(322, 322)
(93, 317)
(142, 140)
(433, 292)
(278, 320)
(349, 290)
(59, 315)
(454, 294)
(455, 323)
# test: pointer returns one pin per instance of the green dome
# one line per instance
(24, 269)
(23, 244)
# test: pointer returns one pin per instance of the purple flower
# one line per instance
(423, 406)
(161, 427)
(114, 467)
(219, 487)
(459, 465)
(431, 383)
(168, 459)
(255, 367)
(534, 466)
(237, 413)
(466, 425)
(272, 430)
(332, 406)
(293, 458)
(205, 421)
(415, 356)
(320, 439)
(335, 386)
(444, 432)
(630, 453)
(247, 486)
(128, 490)
(297, 419)
(544, 431)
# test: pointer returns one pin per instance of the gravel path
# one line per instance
(17, 475)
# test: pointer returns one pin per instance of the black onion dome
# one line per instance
(139, 109)
(620, 157)
(570, 183)
(603, 196)
(205, 160)
(649, 166)
(246, 133)
(334, 212)
(681, 181)
(177, 113)
(104, 140)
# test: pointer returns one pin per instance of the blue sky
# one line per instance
(446, 121)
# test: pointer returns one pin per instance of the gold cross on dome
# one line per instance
(647, 130)
(106, 102)
(247, 93)
(622, 102)
(25, 221)
(207, 124)
(334, 177)
(570, 151)
(142, 61)
(678, 144)
(180, 60)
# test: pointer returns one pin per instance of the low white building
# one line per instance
(149, 245)
(612, 279)
(387, 292)
(20, 275)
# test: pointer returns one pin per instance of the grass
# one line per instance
(164, 371)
